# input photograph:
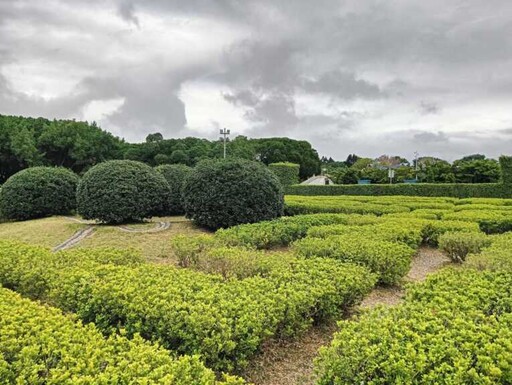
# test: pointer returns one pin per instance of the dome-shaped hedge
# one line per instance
(225, 193)
(120, 191)
(175, 174)
(38, 192)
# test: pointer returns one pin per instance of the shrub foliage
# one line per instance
(39, 345)
(175, 174)
(38, 192)
(121, 191)
(288, 173)
(225, 193)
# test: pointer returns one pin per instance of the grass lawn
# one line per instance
(153, 246)
(47, 232)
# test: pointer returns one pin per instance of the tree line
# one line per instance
(27, 142)
(76, 145)
(475, 168)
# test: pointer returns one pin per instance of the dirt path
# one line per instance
(75, 239)
(291, 362)
(160, 226)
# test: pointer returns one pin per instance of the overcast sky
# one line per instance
(362, 76)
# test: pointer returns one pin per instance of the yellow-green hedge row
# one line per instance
(390, 260)
(224, 321)
(283, 231)
(41, 346)
(456, 328)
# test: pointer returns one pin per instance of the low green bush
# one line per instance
(288, 173)
(457, 245)
(39, 345)
(175, 174)
(225, 321)
(225, 193)
(38, 192)
(497, 256)
(283, 231)
(392, 232)
(434, 229)
(455, 328)
(458, 190)
(390, 260)
(120, 191)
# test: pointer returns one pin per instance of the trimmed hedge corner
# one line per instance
(288, 173)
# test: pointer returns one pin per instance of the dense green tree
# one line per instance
(476, 170)
(434, 170)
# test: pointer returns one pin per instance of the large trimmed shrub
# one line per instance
(38, 192)
(288, 173)
(175, 174)
(120, 191)
(225, 193)
(506, 169)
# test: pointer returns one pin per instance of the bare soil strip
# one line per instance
(75, 239)
(291, 362)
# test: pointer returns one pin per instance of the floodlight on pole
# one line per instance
(225, 133)
(416, 163)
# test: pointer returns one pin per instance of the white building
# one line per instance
(318, 180)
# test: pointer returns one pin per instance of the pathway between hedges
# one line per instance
(291, 362)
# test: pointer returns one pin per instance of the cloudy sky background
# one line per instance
(364, 76)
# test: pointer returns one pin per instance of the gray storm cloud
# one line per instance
(369, 77)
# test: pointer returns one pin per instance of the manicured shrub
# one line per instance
(121, 191)
(283, 231)
(498, 256)
(225, 321)
(458, 190)
(390, 260)
(39, 345)
(506, 170)
(226, 193)
(434, 229)
(288, 173)
(305, 205)
(457, 245)
(386, 231)
(38, 192)
(175, 174)
(455, 328)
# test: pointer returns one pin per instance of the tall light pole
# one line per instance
(225, 133)
(416, 163)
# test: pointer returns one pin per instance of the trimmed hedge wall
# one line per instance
(506, 169)
(459, 190)
(288, 173)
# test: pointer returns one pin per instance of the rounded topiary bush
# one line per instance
(225, 193)
(175, 174)
(38, 192)
(120, 191)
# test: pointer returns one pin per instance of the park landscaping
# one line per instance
(171, 300)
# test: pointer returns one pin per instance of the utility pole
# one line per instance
(225, 133)
(416, 163)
